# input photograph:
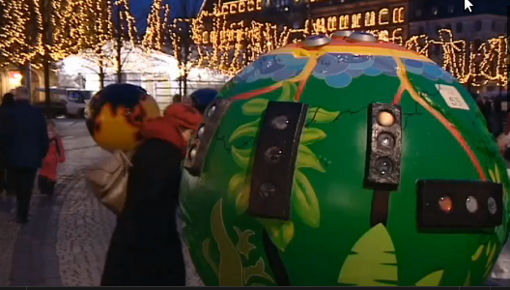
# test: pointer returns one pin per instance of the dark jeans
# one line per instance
(23, 183)
(46, 185)
(4, 181)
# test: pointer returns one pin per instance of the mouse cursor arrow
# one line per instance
(468, 5)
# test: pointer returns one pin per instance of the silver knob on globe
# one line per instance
(341, 33)
(363, 36)
(317, 41)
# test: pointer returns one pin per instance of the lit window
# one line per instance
(434, 10)
(356, 20)
(384, 16)
(344, 22)
(332, 23)
(398, 15)
(370, 18)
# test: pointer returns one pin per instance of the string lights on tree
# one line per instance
(229, 46)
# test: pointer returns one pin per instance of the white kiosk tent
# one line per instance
(156, 72)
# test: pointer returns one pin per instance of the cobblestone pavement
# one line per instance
(66, 240)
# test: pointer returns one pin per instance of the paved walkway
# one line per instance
(65, 242)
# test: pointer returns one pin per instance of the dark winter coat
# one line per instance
(145, 249)
(23, 135)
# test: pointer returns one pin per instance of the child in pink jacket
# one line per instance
(56, 154)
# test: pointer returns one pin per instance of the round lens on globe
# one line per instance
(273, 154)
(445, 203)
(492, 206)
(384, 166)
(201, 131)
(385, 118)
(267, 190)
(386, 140)
(280, 122)
(471, 204)
(193, 153)
(211, 111)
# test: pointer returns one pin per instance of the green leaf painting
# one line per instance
(289, 91)
(319, 115)
(241, 156)
(372, 261)
(305, 202)
(432, 279)
(255, 107)
(247, 130)
(307, 159)
(239, 188)
(280, 233)
(312, 135)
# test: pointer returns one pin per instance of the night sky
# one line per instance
(142, 8)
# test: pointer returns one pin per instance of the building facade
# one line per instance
(487, 20)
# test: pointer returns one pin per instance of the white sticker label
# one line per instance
(452, 97)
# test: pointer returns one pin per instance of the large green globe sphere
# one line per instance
(448, 166)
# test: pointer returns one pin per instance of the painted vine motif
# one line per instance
(230, 270)
(305, 203)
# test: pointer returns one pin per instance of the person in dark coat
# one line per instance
(7, 101)
(25, 142)
(145, 248)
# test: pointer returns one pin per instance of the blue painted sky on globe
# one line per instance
(142, 8)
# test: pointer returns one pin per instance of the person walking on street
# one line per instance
(25, 142)
(7, 100)
(145, 248)
(56, 154)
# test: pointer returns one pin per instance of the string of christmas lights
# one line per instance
(231, 46)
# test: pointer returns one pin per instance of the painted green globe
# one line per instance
(329, 239)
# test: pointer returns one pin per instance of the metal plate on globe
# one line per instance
(391, 142)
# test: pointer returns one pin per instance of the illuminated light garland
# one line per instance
(231, 46)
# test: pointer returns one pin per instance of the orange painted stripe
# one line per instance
(447, 124)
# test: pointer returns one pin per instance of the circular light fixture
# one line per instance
(445, 204)
(385, 118)
(211, 111)
(280, 122)
(384, 166)
(492, 206)
(200, 132)
(273, 154)
(471, 204)
(193, 153)
(386, 140)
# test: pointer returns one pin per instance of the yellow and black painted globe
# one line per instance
(116, 114)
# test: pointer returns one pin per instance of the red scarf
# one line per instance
(177, 116)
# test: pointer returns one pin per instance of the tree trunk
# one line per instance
(46, 39)
(101, 76)
(47, 93)
(185, 63)
(28, 79)
(118, 58)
